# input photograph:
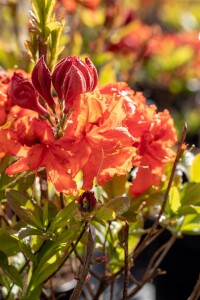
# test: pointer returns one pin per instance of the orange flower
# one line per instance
(153, 136)
(36, 148)
(154, 151)
(106, 146)
(71, 5)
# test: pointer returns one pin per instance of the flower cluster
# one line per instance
(96, 131)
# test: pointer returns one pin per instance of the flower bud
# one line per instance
(86, 202)
(100, 259)
(22, 93)
(73, 77)
(41, 80)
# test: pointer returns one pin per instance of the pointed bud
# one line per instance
(73, 77)
(41, 80)
(22, 93)
(99, 260)
(86, 202)
(87, 278)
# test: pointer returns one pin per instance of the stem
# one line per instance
(196, 291)
(126, 265)
(150, 272)
(111, 290)
(62, 203)
(90, 246)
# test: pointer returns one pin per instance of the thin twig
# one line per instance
(90, 290)
(152, 272)
(133, 279)
(142, 283)
(126, 264)
(162, 251)
(111, 290)
(91, 271)
(90, 246)
(196, 291)
(62, 203)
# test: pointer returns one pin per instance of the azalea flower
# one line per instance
(100, 146)
(153, 136)
(33, 143)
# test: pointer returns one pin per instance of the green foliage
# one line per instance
(194, 170)
(25, 208)
(10, 270)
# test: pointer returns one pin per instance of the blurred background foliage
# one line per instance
(154, 48)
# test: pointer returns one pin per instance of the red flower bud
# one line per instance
(86, 202)
(41, 80)
(22, 93)
(73, 77)
(100, 259)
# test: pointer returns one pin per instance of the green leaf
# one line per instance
(191, 225)
(27, 210)
(62, 218)
(54, 45)
(49, 7)
(34, 294)
(47, 268)
(29, 231)
(14, 275)
(37, 6)
(107, 73)
(195, 169)
(105, 213)
(10, 270)
(115, 187)
(174, 199)
(188, 210)
(26, 249)
(8, 243)
(53, 25)
(4, 281)
(43, 11)
(119, 205)
(190, 194)
(3, 259)
(69, 234)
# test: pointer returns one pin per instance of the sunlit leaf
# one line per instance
(174, 199)
(195, 169)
